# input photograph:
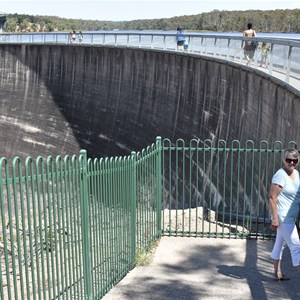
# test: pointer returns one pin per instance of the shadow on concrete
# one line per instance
(195, 268)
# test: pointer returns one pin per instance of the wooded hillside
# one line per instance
(223, 21)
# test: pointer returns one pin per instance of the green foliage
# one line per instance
(11, 25)
(222, 21)
(144, 257)
(49, 240)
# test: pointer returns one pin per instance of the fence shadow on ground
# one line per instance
(196, 268)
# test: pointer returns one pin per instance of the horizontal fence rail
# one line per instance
(72, 227)
(283, 60)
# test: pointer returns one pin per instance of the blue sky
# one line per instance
(116, 10)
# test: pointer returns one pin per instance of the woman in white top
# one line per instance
(284, 206)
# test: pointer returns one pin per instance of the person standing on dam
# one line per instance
(250, 46)
(73, 37)
(186, 44)
(284, 208)
(180, 39)
(264, 54)
(80, 37)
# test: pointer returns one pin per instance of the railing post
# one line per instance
(228, 49)
(288, 66)
(159, 184)
(165, 43)
(84, 224)
(271, 60)
(133, 205)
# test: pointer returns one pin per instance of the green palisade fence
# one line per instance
(70, 228)
(215, 189)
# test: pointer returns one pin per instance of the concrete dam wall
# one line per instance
(58, 99)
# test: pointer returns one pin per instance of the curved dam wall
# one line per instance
(58, 99)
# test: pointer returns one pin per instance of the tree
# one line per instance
(266, 21)
(10, 25)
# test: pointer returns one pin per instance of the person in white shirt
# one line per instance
(284, 208)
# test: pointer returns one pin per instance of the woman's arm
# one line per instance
(274, 192)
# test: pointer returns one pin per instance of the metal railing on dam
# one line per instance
(72, 227)
(283, 60)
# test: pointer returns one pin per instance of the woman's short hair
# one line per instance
(290, 151)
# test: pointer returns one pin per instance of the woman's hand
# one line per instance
(274, 225)
(275, 190)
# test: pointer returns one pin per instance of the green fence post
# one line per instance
(159, 185)
(133, 205)
(84, 224)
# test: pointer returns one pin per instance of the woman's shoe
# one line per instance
(281, 278)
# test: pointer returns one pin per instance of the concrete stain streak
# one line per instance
(29, 140)
(23, 126)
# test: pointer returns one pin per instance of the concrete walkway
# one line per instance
(196, 268)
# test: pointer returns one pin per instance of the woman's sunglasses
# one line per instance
(289, 160)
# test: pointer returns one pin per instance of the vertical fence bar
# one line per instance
(210, 181)
(67, 201)
(190, 154)
(2, 221)
(224, 188)
(197, 194)
(176, 186)
(40, 193)
(9, 225)
(92, 225)
(28, 180)
(133, 204)
(85, 226)
(107, 240)
(158, 185)
(237, 188)
(217, 194)
(4, 237)
(183, 189)
(248, 177)
(58, 224)
(169, 173)
(203, 189)
(51, 239)
(18, 221)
